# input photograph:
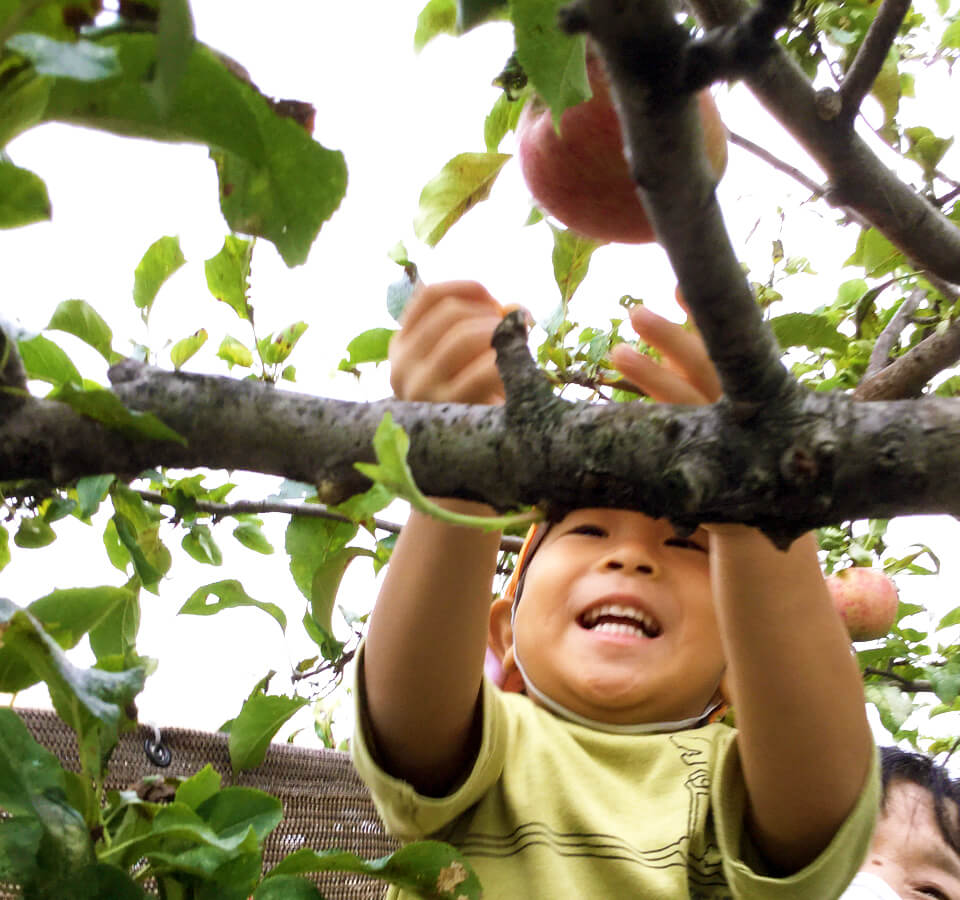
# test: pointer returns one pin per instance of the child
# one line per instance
(605, 779)
(915, 852)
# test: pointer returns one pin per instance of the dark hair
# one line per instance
(900, 765)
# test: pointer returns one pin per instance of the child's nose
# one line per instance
(630, 557)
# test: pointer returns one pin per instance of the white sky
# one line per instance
(398, 117)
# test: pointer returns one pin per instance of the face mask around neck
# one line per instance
(867, 886)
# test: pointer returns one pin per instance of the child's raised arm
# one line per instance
(425, 645)
(802, 729)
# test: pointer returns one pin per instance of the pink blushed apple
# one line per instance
(866, 600)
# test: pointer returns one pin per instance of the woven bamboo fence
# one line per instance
(325, 804)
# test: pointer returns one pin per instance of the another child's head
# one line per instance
(614, 620)
(916, 845)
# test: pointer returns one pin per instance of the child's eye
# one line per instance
(685, 544)
(589, 530)
(928, 890)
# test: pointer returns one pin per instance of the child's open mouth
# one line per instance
(615, 618)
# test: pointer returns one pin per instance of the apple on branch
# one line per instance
(866, 599)
(580, 176)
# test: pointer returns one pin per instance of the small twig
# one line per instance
(880, 356)
(307, 510)
(946, 198)
(812, 186)
(905, 684)
(871, 55)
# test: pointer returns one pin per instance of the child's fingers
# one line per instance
(434, 371)
(656, 381)
(427, 296)
(479, 381)
(683, 351)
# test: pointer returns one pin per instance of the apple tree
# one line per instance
(837, 416)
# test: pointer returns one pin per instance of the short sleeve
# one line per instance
(826, 877)
(407, 814)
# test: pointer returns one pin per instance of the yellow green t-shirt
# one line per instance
(556, 810)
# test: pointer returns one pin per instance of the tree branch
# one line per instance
(871, 56)
(641, 45)
(816, 189)
(857, 178)
(306, 510)
(905, 684)
(880, 355)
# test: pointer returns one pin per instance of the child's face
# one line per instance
(908, 850)
(656, 658)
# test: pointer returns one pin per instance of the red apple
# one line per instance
(580, 175)
(866, 599)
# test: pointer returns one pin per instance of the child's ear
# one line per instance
(500, 640)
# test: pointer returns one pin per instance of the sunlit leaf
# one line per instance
(184, 349)
(46, 361)
(162, 259)
(235, 353)
(437, 17)
(230, 595)
(367, 347)
(571, 260)
(806, 330)
(461, 184)
(79, 318)
(228, 274)
(23, 197)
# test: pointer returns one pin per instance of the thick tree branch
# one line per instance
(811, 460)
(640, 44)
(871, 56)
(857, 178)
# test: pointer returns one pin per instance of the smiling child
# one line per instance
(605, 777)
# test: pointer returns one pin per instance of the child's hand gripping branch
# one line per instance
(624, 629)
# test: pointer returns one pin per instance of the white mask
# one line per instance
(867, 886)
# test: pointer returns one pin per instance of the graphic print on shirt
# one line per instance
(694, 850)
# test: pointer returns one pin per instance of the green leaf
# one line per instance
(199, 787)
(23, 197)
(4, 548)
(235, 353)
(91, 492)
(260, 718)
(200, 544)
(79, 318)
(287, 887)
(183, 349)
(106, 407)
(33, 793)
(275, 181)
(554, 62)
(117, 553)
(175, 41)
(45, 361)
(892, 704)
(875, 254)
(926, 149)
(429, 869)
(81, 60)
(96, 882)
(951, 35)
(950, 619)
(437, 17)
(250, 535)
(34, 533)
(310, 542)
(230, 595)
(90, 701)
(22, 103)
(116, 634)
(502, 118)
(471, 13)
(228, 275)
(367, 347)
(151, 559)
(326, 583)
(275, 349)
(571, 260)
(462, 183)
(945, 681)
(806, 330)
(162, 259)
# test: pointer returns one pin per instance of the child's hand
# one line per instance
(442, 353)
(685, 375)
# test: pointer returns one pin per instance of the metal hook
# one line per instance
(157, 752)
